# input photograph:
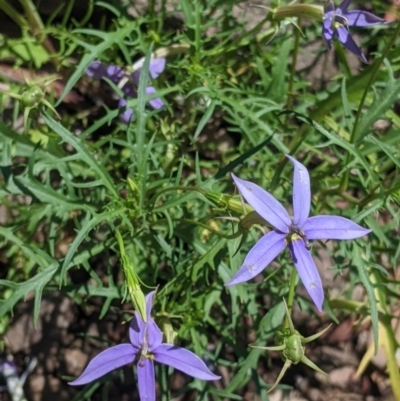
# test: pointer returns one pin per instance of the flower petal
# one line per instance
(184, 360)
(301, 192)
(347, 41)
(146, 380)
(156, 67)
(363, 18)
(154, 335)
(308, 272)
(259, 257)
(156, 103)
(100, 70)
(333, 227)
(327, 33)
(126, 115)
(138, 329)
(329, 7)
(343, 6)
(149, 303)
(108, 360)
(264, 204)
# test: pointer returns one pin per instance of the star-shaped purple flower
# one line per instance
(337, 21)
(146, 347)
(294, 233)
(115, 74)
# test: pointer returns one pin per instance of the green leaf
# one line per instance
(362, 270)
(84, 154)
(377, 110)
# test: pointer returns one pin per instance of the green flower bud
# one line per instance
(227, 202)
(291, 344)
(294, 350)
(132, 280)
(310, 11)
(169, 334)
(32, 97)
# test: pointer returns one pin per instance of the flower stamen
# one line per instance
(294, 229)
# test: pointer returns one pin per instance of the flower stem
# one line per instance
(13, 14)
(292, 289)
(33, 22)
(293, 69)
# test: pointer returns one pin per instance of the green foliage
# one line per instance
(233, 102)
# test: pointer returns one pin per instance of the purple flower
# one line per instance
(145, 347)
(115, 74)
(336, 23)
(294, 233)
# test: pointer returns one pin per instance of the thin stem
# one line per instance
(36, 27)
(13, 14)
(197, 33)
(293, 69)
(292, 289)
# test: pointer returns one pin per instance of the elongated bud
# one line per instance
(169, 334)
(132, 281)
(308, 11)
(227, 202)
(252, 218)
(132, 185)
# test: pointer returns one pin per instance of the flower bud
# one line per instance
(309, 11)
(227, 202)
(169, 334)
(32, 97)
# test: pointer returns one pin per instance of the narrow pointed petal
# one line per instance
(185, 361)
(329, 7)
(333, 227)
(347, 41)
(363, 18)
(100, 70)
(154, 335)
(327, 33)
(260, 256)
(156, 103)
(138, 329)
(157, 66)
(343, 6)
(149, 303)
(146, 381)
(308, 272)
(264, 204)
(301, 192)
(105, 362)
(127, 115)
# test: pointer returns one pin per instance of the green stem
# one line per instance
(13, 14)
(292, 290)
(374, 72)
(36, 27)
(293, 69)
(197, 33)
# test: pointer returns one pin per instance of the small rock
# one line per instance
(75, 361)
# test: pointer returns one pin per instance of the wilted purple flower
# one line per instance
(145, 347)
(115, 74)
(294, 233)
(337, 21)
